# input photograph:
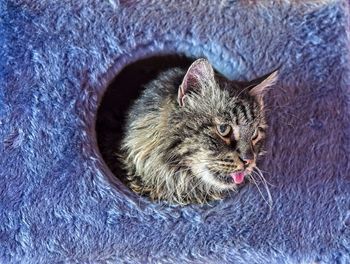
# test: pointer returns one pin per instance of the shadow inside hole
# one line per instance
(120, 95)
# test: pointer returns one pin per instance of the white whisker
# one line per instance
(268, 200)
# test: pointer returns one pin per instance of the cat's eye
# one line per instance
(224, 130)
(256, 133)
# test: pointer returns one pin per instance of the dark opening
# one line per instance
(119, 96)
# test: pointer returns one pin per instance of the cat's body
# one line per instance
(188, 138)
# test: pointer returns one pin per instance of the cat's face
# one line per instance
(224, 126)
(228, 142)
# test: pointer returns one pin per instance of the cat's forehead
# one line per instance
(225, 107)
(241, 112)
(236, 121)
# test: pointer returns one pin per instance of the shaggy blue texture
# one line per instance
(59, 202)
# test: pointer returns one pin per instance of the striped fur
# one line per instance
(174, 153)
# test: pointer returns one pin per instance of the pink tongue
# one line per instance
(237, 177)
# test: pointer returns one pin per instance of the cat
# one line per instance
(193, 135)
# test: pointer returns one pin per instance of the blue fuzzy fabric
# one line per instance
(60, 203)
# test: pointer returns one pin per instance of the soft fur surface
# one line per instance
(59, 202)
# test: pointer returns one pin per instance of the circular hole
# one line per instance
(119, 96)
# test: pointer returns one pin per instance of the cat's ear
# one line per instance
(199, 75)
(260, 86)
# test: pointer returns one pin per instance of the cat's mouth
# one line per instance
(221, 179)
(236, 177)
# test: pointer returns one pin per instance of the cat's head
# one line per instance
(223, 124)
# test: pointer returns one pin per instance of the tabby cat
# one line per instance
(193, 136)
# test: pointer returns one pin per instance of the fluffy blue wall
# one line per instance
(59, 202)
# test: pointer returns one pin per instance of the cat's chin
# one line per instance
(219, 181)
(220, 184)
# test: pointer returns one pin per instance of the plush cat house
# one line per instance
(61, 200)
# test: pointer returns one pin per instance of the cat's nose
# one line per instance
(248, 161)
(247, 158)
